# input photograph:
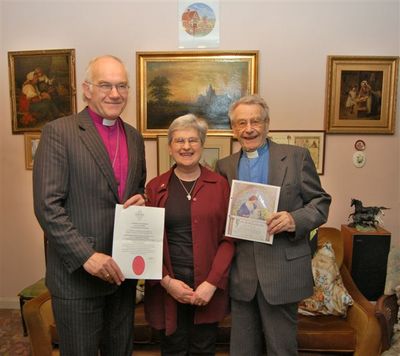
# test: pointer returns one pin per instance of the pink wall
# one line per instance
(294, 39)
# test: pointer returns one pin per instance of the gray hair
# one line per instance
(253, 99)
(89, 69)
(188, 121)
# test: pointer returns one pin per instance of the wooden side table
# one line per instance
(365, 256)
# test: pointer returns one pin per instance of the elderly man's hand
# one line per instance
(137, 199)
(104, 267)
(280, 221)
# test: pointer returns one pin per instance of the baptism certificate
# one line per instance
(138, 241)
(250, 205)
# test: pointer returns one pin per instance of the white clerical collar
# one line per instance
(251, 154)
(254, 154)
(108, 122)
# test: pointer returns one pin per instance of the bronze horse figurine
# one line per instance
(367, 216)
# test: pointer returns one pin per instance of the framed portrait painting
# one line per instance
(214, 149)
(172, 84)
(314, 141)
(361, 94)
(31, 144)
(42, 87)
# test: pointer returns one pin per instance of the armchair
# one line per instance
(39, 320)
(358, 333)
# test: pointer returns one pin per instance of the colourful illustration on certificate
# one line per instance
(250, 205)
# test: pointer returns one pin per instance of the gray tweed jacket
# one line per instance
(283, 269)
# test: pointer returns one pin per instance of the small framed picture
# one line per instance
(361, 94)
(42, 86)
(31, 145)
(314, 141)
(214, 149)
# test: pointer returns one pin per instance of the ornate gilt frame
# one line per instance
(171, 84)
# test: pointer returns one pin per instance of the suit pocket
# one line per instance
(297, 251)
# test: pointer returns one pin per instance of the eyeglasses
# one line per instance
(192, 141)
(241, 124)
(106, 88)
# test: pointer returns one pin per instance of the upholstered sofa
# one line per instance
(387, 312)
(359, 333)
(387, 306)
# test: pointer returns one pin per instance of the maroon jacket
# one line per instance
(212, 250)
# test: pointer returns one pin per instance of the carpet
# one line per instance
(12, 340)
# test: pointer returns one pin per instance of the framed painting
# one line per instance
(361, 94)
(214, 149)
(42, 87)
(171, 84)
(31, 144)
(314, 141)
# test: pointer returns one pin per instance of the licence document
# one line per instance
(138, 241)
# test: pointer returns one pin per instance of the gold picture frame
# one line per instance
(42, 87)
(31, 141)
(361, 94)
(171, 84)
(214, 148)
(313, 140)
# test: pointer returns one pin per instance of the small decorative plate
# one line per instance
(360, 145)
(359, 159)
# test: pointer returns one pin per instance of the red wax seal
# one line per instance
(138, 265)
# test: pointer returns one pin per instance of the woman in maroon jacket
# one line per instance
(192, 297)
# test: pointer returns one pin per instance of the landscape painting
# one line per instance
(205, 84)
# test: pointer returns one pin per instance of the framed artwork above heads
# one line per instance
(204, 83)
(361, 94)
(42, 87)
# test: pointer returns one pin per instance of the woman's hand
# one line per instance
(203, 294)
(178, 290)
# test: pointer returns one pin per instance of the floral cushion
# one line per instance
(330, 295)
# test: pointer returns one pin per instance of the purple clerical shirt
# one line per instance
(114, 140)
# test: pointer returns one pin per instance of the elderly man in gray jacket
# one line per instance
(268, 281)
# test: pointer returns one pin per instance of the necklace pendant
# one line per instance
(189, 197)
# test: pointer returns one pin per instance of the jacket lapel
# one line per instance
(232, 168)
(92, 140)
(132, 161)
(277, 165)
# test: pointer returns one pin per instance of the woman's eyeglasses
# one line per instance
(181, 141)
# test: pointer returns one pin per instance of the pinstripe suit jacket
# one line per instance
(283, 269)
(75, 193)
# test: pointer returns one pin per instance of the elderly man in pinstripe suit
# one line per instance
(267, 281)
(84, 165)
